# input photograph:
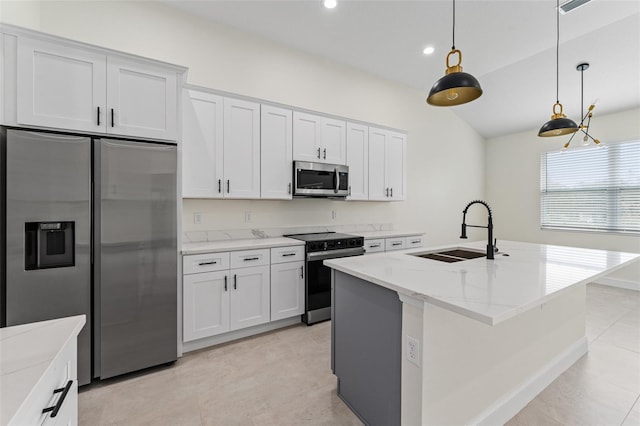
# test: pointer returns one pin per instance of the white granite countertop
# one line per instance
(26, 352)
(490, 291)
(233, 245)
(385, 234)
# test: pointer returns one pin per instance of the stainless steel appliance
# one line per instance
(320, 180)
(89, 227)
(319, 247)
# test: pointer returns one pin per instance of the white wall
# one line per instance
(444, 155)
(513, 187)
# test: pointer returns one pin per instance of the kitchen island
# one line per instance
(39, 373)
(419, 341)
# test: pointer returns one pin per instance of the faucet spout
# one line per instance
(489, 226)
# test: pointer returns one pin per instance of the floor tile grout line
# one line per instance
(630, 410)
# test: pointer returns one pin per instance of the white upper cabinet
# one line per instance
(334, 141)
(395, 157)
(241, 131)
(69, 86)
(276, 147)
(358, 161)
(60, 86)
(387, 165)
(377, 178)
(202, 155)
(141, 100)
(318, 139)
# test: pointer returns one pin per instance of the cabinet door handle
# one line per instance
(349, 190)
(113, 120)
(235, 282)
(318, 153)
(225, 283)
(228, 186)
(391, 192)
(246, 259)
(65, 390)
(324, 155)
(302, 272)
(98, 114)
(288, 254)
(219, 185)
(289, 188)
(212, 262)
(387, 192)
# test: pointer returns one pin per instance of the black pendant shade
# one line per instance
(559, 124)
(454, 89)
(558, 127)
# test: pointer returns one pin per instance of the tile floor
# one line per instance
(284, 378)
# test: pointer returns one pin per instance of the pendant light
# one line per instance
(584, 128)
(559, 123)
(456, 87)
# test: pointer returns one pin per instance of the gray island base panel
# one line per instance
(467, 372)
(366, 349)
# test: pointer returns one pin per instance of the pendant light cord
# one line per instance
(582, 94)
(453, 45)
(557, 50)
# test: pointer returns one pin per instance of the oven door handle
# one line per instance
(333, 254)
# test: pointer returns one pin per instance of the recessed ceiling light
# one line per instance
(428, 50)
(329, 4)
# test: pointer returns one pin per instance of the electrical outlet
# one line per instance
(197, 218)
(333, 214)
(413, 350)
(247, 216)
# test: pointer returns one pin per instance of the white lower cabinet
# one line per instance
(228, 291)
(249, 297)
(205, 304)
(377, 245)
(287, 290)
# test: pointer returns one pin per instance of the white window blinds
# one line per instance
(595, 188)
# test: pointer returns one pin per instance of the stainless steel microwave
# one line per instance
(320, 180)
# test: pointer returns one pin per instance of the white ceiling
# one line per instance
(508, 45)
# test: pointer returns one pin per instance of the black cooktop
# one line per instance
(325, 241)
(320, 236)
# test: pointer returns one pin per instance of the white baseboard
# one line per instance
(239, 334)
(620, 283)
(504, 409)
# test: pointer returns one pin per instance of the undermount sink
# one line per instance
(451, 255)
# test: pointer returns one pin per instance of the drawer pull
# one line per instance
(246, 259)
(235, 282)
(415, 242)
(65, 390)
(396, 244)
(288, 254)
(374, 245)
(213, 262)
(302, 272)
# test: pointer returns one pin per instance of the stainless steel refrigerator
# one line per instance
(89, 227)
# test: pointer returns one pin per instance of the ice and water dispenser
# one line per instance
(49, 245)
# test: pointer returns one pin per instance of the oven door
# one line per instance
(318, 283)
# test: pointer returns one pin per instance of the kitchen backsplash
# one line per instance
(240, 234)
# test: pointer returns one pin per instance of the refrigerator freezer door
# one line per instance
(135, 269)
(48, 179)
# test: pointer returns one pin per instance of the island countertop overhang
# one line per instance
(489, 291)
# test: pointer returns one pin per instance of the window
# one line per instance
(595, 188)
